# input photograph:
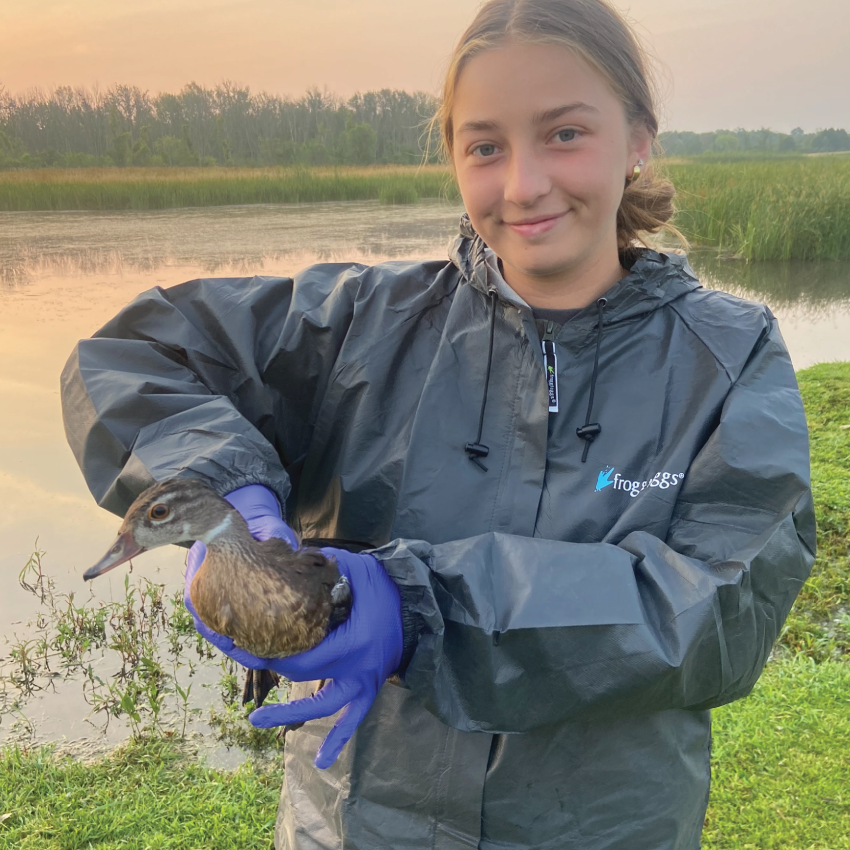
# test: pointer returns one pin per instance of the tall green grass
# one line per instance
(775, 209)
(795, 209)
(163, 188)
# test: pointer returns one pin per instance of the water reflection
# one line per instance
(63, 275)
(239, 240)
(813, 289)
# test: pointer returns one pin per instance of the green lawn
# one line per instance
(781, 762)
(146, 797)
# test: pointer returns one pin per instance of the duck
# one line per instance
(270, 599)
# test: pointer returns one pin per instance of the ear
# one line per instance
(640, 146)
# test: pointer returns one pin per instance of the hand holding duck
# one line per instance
(357, 657)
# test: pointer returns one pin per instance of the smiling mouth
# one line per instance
(535, 226)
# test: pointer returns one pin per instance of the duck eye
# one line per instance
(159, 511)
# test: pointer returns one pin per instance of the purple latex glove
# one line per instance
(357, 657)
(260, 509)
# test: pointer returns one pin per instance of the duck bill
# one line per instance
(122, 550)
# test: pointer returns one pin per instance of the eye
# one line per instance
(565, 135)
(485, 150)
(159, 512)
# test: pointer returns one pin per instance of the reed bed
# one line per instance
(164, 188)
(777, 209)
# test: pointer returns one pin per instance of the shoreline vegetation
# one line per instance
(779, 759)
(96, 189)
(781, 208)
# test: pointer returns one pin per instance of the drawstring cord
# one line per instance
(590, 431)
(477, 450)
(587, 432)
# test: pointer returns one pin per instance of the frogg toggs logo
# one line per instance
(662, 480)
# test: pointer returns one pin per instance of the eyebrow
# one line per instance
(539, 117)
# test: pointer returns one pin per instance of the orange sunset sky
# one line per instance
(750, 63)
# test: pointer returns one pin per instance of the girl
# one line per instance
(582, 480)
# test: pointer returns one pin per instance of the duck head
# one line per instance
(180, 510)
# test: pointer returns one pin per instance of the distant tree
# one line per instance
(10, 147)
(199, 116)
(359, 144)
(684, 143)
(126, 125)
(315, 153)
(278, 151)
(831, 140)
(83, 160)
(726, 142)
(142, 154)
(121, 149)
(174, 151)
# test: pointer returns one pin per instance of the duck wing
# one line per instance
(258, 683)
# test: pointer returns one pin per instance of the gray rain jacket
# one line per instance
(577, 620)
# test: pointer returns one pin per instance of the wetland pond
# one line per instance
(64, 274)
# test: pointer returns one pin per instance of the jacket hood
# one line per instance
(655, 278)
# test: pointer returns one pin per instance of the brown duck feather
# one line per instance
(271, 600)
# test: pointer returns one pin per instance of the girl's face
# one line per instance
(542, 150)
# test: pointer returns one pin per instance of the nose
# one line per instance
(526, 179)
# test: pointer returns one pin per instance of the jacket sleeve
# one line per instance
(178, 383)
(519, 632)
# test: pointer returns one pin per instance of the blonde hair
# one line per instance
(597, 33)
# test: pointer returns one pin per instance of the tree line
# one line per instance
(229, 125)
(223, 125)
(753, 142)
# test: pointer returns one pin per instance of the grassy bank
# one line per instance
(147, 796)
(164, 188)
(819, 623)
(780, 780)
(795, 209)
(780, 763)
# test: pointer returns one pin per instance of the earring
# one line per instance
(636, 172)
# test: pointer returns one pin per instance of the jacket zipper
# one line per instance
(550, 364)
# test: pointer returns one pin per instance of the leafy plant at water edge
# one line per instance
(145, 634)
(148, 637)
